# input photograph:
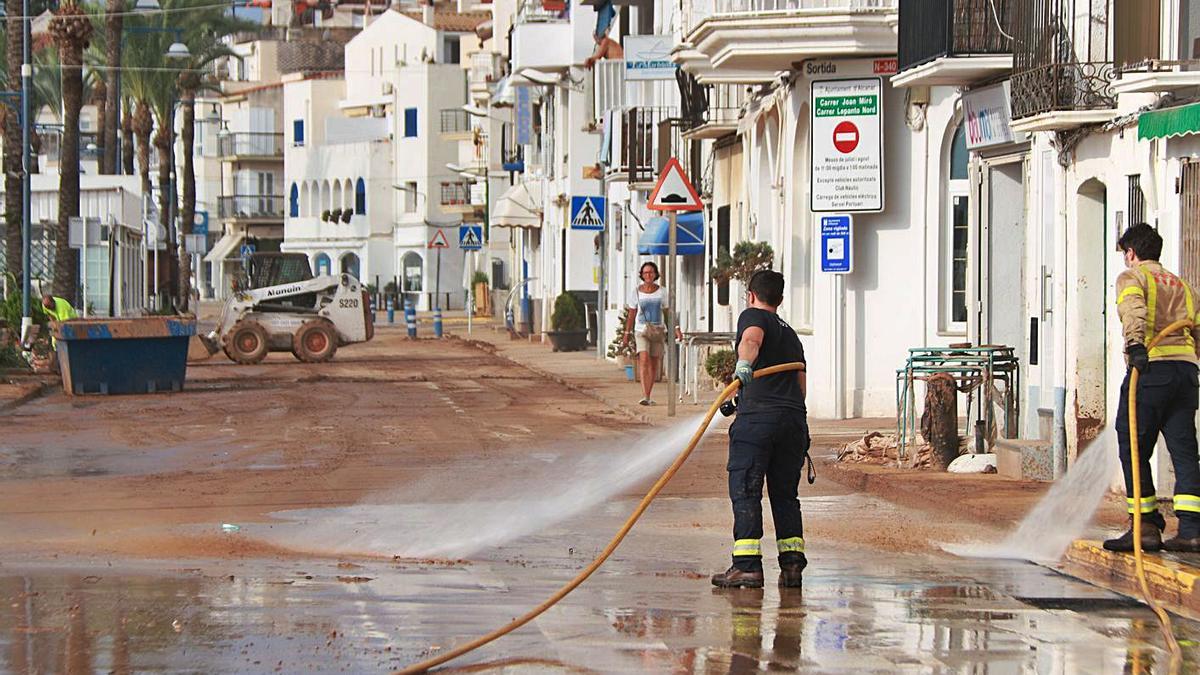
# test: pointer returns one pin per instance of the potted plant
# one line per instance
(569, 333)
(625, 352)
(720, 365)
(335, 215)
(346, 215)
(483, 301)
(325, 216)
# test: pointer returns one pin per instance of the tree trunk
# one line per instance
(71, 29)
(162, 143)
(187, 211)
(112, 96)
(127, 136)
(13, 212)
(99, 99)
(939, 422)
(141, 125)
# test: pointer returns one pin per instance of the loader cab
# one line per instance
(276, 269)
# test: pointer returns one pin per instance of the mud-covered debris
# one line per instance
(354, 580)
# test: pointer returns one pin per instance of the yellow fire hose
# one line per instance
(612, 545)
(1164, 620)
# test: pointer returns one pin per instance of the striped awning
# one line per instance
(1169, 122)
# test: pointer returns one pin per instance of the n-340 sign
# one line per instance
(846, 124)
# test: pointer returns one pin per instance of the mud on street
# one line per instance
(116, 560)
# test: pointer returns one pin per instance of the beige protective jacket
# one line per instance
(1149, 298)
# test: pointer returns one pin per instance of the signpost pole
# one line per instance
(839, 346)
(437, 281)
(671, 314)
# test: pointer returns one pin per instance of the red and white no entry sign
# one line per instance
(845, 137)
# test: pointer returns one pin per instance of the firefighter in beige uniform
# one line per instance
(1149, 298)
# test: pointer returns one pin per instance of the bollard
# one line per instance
(410, 319)
(437, 322)
(391, 310)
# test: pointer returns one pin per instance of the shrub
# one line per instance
(325, 215)
(335, 215)
(748, 257)
(346, 216)
(619, 347)
(479, 278)
(720, 365)
(568, 313)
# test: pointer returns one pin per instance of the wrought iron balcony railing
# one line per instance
(932, 29)
(455, 121)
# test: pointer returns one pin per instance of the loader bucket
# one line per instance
(201, 348)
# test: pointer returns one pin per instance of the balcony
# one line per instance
(711, 111)
(1068, 54)
(251, 209)
(953, 42)
(486, 70)
(544, 39)
(240, 146)
(611, 91)
(750, 40)
(461, 197)
(643, 139)
(455, 125)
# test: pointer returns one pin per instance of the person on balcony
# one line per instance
(606, 47)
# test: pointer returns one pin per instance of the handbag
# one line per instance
(655, 332)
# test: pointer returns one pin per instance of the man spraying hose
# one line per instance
(768, 440)
(1149, 298)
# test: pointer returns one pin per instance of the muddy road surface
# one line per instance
(361, 515)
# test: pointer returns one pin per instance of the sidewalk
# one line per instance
(18, 388)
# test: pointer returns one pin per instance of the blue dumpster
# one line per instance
(124, 356)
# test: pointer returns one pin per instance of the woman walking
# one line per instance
(647, 325)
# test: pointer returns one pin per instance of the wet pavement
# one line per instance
(650, 609)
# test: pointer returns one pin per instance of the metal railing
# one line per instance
(455, 121)
(485, 68)
(250, 207)
(539, 11)
(250, 144)
(713, 104)
(643, 140)
(456, 194)
(612, 91)
(695, 11)
(1063, 59)
(931, 29)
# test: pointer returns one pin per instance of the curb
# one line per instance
(1172, 578)
(40, 390)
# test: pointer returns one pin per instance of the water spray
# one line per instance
(574, 583)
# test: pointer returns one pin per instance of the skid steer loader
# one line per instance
(282, 307)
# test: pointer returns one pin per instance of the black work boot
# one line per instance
(738, 578)
(1187, 540)
(791, 571)
(1152, 527)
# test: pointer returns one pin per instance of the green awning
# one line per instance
(1169, 122)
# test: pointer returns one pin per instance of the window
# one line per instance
(298, 132)
(410, 197)
(294, 202)
(453, 50)
(410, 122)
(955, 235)
(1137, 200)
(1189, 30)
(360, 197)
(1189, 225)
(322, 265)
(723, 244)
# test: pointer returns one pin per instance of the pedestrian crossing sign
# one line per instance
(587, 212)
(470, 237)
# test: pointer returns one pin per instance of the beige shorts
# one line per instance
(644, 344)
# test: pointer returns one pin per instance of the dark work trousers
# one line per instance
(771, 446)
(1167, 399)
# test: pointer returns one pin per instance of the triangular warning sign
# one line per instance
(439, 240)
(587, 216)
(674, 192)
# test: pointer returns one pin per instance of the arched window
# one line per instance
(314, 204)
(955, 234)
(411, 268)
(321, 263)
(360, 197)
(350, 265)
(305, 203)
(335, 199)
(294, 202)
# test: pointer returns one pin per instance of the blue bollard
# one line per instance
(391, 310)
(437, 322)
(410, 319)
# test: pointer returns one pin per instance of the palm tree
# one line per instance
(71, 30)
(113, 26)
(189, 83)
(13, 211)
